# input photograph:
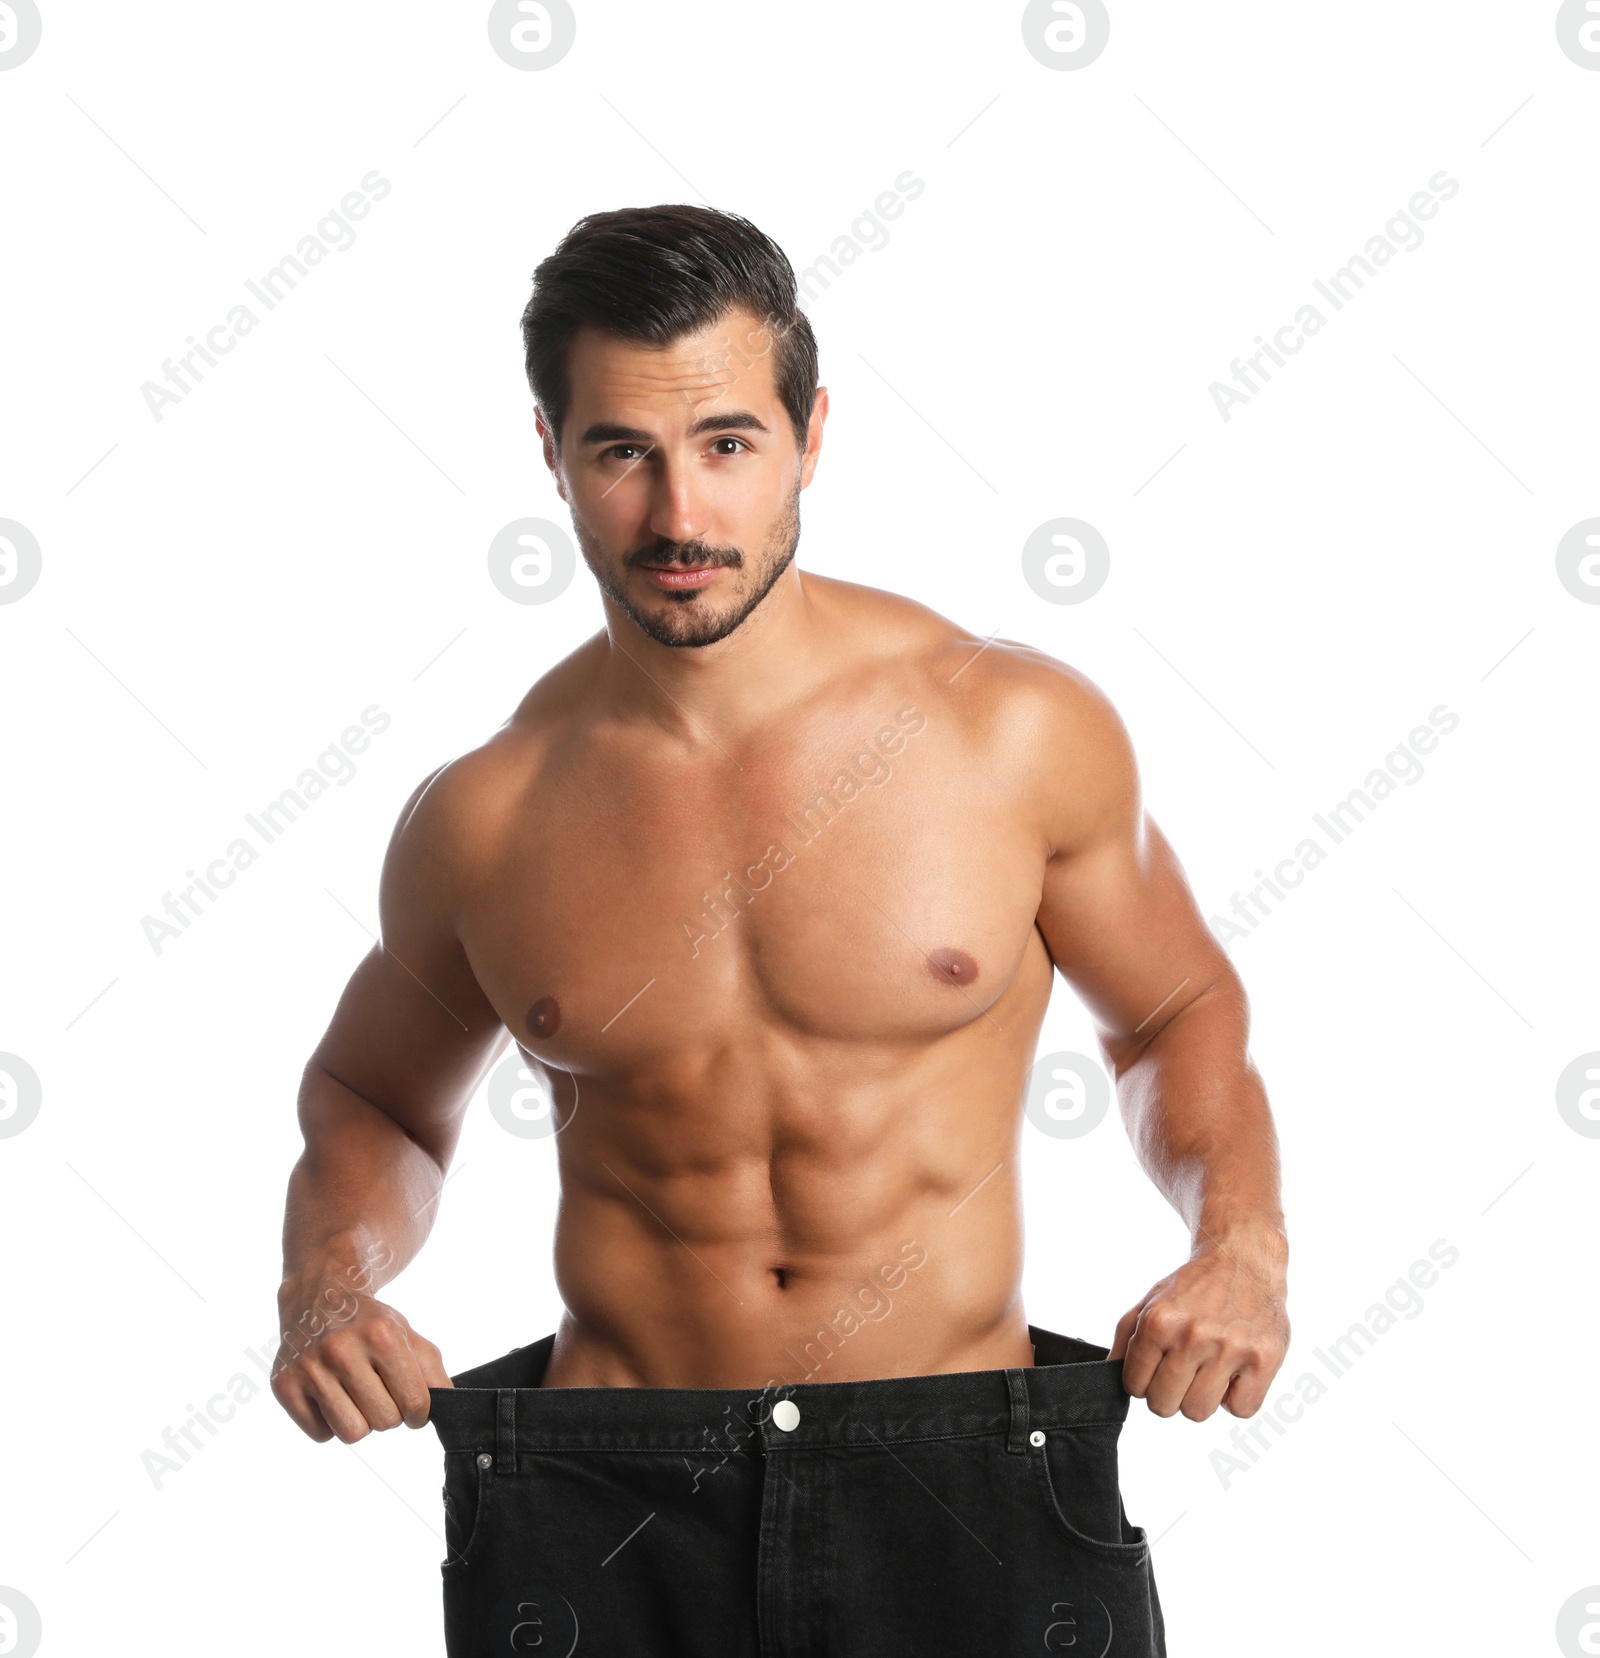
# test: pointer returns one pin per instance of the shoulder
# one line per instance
(1040, 728)
(1004, 690)
(1062, 740)
(456, 817)
(1040, 731)
(1052, 708)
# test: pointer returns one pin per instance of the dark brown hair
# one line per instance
(654, 274)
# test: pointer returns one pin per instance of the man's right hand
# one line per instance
(348, 1364)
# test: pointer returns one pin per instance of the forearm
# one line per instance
(1198, 1118)
(361, 1197)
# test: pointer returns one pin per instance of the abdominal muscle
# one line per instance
(859, 1232)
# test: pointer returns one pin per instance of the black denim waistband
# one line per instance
(500, 1406)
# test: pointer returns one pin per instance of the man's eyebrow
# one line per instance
(730, 420)
(604, 431)
(734, 420)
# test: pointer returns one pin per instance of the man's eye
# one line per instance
(623, 451)
(737, 443)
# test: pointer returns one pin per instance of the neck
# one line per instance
(720, 691)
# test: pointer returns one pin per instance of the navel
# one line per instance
(544, 1017)
(952, 966)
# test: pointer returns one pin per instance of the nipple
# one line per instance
(952, 966)
(544, 1017)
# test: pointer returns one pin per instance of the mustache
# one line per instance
(686, 554)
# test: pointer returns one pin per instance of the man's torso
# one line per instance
(786, 991)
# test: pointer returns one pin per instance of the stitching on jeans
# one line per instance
(525, 1448)
(1127, 1554)
(459, 1557)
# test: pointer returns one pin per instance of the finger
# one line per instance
(341, 1413)
(1173, 1378)
(430, 1361)
(358, 1375)
(1140, 1362)
(400, 1373)
(1211, 1382)
(1158, 1330)
(316, 1411)
(430, 1365)
(1125, 1328)
(302, 1410)
(1247, 1391)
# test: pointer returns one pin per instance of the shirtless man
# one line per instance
(770, 879)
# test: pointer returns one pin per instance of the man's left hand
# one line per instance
(1213, 1333)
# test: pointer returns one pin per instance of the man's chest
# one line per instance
(871, 891)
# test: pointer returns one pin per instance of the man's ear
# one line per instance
(552, 455)
(813, 448)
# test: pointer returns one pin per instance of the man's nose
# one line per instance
(676, 511)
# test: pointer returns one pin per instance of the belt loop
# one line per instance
(505, 1430)
(1017, 1438)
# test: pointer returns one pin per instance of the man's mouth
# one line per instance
(675, 578)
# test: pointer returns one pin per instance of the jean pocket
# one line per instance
(1076, 1473)
(467, 1483)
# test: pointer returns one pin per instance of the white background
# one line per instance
(1291, 591)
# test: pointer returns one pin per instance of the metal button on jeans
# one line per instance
(485, 1460)
(1036, 1438)
(786, 1415)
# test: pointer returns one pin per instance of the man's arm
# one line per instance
(1173, 1019)
(381, 1102)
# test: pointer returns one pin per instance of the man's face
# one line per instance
(683, 476)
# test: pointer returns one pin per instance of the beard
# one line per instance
(689, 618)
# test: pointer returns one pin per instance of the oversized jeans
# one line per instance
(975, 1513)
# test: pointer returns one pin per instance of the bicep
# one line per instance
(1123, 928)
(413, 1031)
(1116, 911)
